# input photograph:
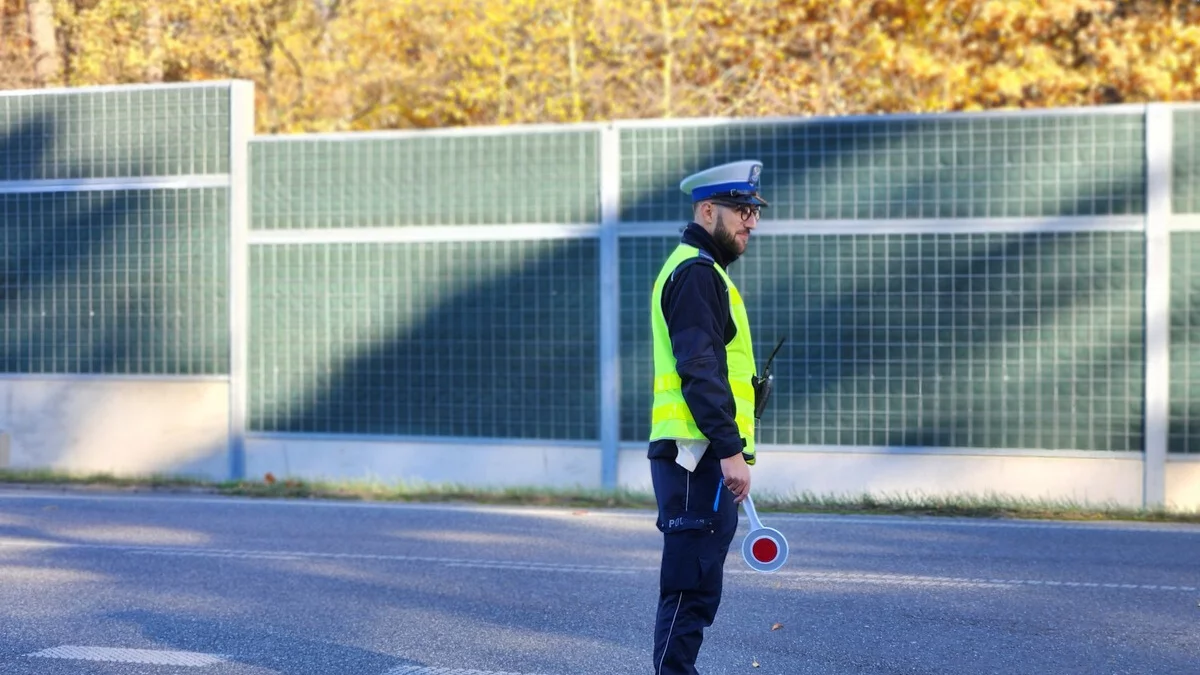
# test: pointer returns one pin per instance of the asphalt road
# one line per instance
(122, 584)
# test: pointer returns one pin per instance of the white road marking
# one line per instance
(955, 522)
(734, 567)
(151, 656)
(307, 555)
(426, 670)
(643, 514)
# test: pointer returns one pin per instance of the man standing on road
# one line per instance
(702, 428)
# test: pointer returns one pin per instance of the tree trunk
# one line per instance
(154, 42)
(668, 57)
(7, 32)
(573, 61)
(47, 61)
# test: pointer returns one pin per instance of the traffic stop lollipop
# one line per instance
(764, 548)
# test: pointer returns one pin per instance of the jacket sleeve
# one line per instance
(696, 307)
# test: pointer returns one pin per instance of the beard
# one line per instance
(725, 239)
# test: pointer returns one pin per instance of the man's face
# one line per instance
(733, 226)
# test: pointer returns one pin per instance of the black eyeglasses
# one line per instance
(743, 210)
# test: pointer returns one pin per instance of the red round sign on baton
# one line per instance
(764, 548)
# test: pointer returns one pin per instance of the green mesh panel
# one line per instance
(427, 180)
(114, 282)
(115, 133)
(493, 340)
(952, 167)
(1184, 426)
(1185, 168)
(963, 340)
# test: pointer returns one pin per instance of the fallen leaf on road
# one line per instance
(777, 626)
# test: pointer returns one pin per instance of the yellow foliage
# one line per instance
(374, 64)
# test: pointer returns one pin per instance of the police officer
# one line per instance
(702, 428)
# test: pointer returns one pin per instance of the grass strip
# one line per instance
(905, 504)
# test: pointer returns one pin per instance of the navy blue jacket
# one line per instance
(696, 305)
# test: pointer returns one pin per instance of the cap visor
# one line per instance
(752, 200)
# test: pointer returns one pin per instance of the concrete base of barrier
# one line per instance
(117, 426)
(1183, 483)
(1084, 478)
(471, 463)
(139, 427)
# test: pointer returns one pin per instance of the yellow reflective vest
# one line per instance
(670, 416)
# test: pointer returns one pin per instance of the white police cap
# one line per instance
(736, 182)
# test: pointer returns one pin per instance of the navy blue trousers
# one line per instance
(698, 518)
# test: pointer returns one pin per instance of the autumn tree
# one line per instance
(380, 64)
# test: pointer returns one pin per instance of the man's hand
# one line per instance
(737, 476)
